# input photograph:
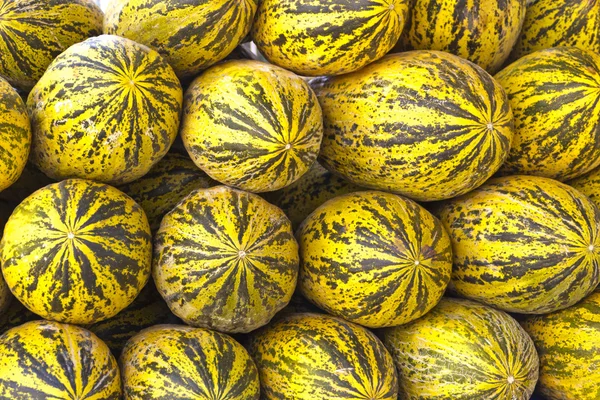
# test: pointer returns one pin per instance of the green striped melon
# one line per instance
(556, 23)
(34, 32)
(168, 362)
(252, 125)
(76, 251)
(15, 132)
(463, 350)
(148, 309)
(374, 258)
(16, 314)
(314, 188)
(481, 31)
(588, 184)
(107, 109)
(554, 96)
(424, 124)
(524, 244)
(190, 35)
(167, 183)
(567, 343)
(225, 259)
(310, 356)
(49, 360)
(327, 37)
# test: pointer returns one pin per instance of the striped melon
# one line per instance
(15, 132)
(76, 251)
(463, 350)
(568, 345)
(311, 356)
(252, 125)
(327, 37)
(148, 309)
(168, 362)
(374, 258)
(190, 35)
(588, 184)
(167, 183)
(555, 99)
(48, 360)
(225, 259)
(481, 31)
(34, 32)
(16, 314)
(107, 109)
(556, 23)
(524, 244)
(425, 124)
(314, 188)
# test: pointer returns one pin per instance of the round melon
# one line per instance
(34, 32)
(107, 109)
(524, 244)
(167, 183)
(179, 362)
(15, 132)
(76, 251)
(463, 350)
(374, 258)
(49, 360)
(310, 356)
(425, 124)
(327, 37)
(481, 31)
(588, 184)
(16, 314)
(252, 125)
(567, 343)
(225, 259)
(558, 23)
(314, 188)
(190, 35)
(554, 95)
(148, 309)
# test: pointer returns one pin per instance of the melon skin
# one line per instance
(463, 350)
(16, 314)
(567, 343)
(327, 37)
(106, 109)
(44, 360)
(180, 362)
(524, 244)
(35, 32)
(76, 251)
(311, 356)
(424, 124)
(554, 97)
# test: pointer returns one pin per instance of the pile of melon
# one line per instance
(300, 199)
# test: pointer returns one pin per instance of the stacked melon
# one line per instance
(363, 234)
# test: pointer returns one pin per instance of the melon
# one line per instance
(425, 124)
(16, 314)
(190, 35)
(327, 37)
(167, 183)
(463, 350)
(49, 360)
(15, 132)
(524, 244)
(107, 109)
(310, 356)
(588, 184)
(225, 259)
(374, 258)
(559, 23)
(34, 32)
(481, 31)
(76, 251)
(555, 100)
(567, 343)
(252, 125)
(180, 362)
